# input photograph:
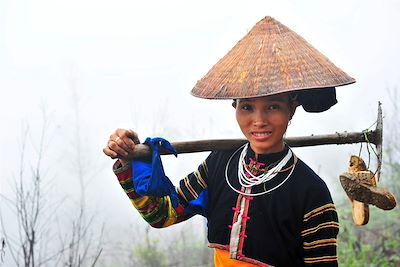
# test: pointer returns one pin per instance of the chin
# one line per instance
(266, 149)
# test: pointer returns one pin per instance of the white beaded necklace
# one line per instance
(248, 182)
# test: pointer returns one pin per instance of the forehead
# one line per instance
(273, 98)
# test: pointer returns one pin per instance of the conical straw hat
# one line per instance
(270, 59)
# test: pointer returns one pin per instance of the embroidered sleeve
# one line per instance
(320, 230)
(193, 191)
(159, 212)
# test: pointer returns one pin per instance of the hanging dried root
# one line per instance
(359, 183)
(360, 210)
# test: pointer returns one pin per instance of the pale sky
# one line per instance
(133, 64)
(121, 54)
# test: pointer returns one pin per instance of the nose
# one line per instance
(260, 119)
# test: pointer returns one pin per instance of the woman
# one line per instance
(264, 206)
(284, 218)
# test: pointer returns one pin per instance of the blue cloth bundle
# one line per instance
(149, 177)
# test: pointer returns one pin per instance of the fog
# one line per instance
(95, 66)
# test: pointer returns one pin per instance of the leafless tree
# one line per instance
(2, 249)
(30, 208)
(84, 241)
(34, 240)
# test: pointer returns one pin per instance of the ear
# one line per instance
(293, 110)
(234, 103)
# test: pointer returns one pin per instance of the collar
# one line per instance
(267, 159)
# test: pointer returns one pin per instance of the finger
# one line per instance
(134, 138)
(117, 148)
(121, 141)
(108, 152)
(133, 135)
(126, 139)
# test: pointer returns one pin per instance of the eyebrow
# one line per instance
(271, 98)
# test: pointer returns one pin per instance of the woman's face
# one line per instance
(264, 120)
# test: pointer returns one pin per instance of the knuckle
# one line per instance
(132, 132)
(121, 130)
(112, 145)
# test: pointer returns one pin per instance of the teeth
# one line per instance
(262, 134)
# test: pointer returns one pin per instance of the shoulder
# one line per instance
(217, 162)
(307, 178)
(310, 187)
(222, 156)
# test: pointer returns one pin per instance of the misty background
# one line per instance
(72, 72)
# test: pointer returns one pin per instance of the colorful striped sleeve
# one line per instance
(192, 185)
(158, 211)
(319, 233)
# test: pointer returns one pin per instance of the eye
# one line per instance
(246, 107)
(274, 107)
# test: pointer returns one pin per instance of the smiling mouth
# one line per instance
(261, 134)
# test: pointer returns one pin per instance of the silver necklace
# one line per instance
(248, 182)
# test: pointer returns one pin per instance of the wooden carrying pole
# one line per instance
(373, 136)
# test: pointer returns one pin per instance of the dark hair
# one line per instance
(234, 103)
(312, 100)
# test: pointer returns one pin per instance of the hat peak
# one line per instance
(269, 59)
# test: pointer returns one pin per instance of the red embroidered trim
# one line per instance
(242, 234)
(124, 176)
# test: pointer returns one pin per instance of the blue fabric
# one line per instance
(199, 205)
(149, 178)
